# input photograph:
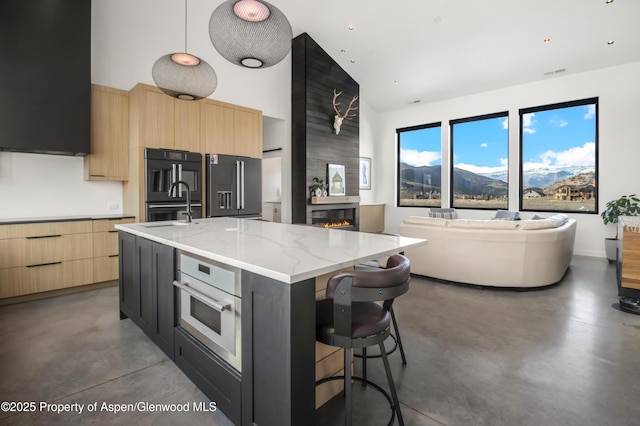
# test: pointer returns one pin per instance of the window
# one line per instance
(480, 149)
(558, 157)
(419, 166)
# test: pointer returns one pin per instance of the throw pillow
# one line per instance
(506, 215)
(443, 213)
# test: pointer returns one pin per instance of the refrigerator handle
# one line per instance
(242, 185)
(179, 178)
(238, 185)
(173, 179)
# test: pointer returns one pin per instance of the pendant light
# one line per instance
(250, 33)
(183, 75)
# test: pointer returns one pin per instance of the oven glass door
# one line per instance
(212, 316)
(160, 174)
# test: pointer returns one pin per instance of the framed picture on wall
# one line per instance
(365, 173)
(336, 179)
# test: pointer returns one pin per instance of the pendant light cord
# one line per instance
(185, 26)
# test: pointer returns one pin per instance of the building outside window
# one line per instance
(558, 157)
(420, 166)
(480, 150)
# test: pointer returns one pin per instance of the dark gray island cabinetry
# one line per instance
(147, 270)
(275, 267)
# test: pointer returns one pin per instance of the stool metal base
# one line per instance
(365, 382)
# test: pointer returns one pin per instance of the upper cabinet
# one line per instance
(205, 126)
(247, 133)
(109, 155)
(230, 129)
(152, 118)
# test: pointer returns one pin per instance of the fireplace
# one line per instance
(332, 217)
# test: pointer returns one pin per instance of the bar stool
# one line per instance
(351, 318)
(388, 305)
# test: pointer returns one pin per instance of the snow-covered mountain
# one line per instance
(544, 176)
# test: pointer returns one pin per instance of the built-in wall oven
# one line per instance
(163, 167)
(209, 305)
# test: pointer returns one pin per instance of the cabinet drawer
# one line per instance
(105, 268)
(27, 280)
(224, 277)
(209, 373)
(44, 229)
(105, 244)
(108, 225)
(32, 251)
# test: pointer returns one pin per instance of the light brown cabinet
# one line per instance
(629, 230)
(217, 129)
(105, 248)
(108, 159)
(46, 256)
(371, 218)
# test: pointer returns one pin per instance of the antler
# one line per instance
(335, 104)
(349, 108)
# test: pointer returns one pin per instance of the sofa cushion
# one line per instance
(483, 224)
(423, 220)
(551, 222)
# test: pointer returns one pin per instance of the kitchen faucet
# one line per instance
(188, 212)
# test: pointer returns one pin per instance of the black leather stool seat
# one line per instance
(367, 319)
(351, 317)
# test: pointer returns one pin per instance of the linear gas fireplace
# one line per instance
(332, 217)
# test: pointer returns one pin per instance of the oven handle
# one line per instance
(201, 297)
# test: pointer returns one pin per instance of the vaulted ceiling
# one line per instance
(416, 51)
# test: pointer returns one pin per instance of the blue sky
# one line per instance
(555, 138)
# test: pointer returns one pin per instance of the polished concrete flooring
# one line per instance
(564, 355)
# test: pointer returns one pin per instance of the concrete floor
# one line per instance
(564, 355)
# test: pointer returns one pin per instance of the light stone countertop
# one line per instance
(284, 252)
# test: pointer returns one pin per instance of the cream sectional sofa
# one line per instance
(499, 253)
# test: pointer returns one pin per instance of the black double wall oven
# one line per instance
(163, 167)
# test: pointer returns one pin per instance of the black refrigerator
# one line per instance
(234, 186)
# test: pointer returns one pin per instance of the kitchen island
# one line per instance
(277, 264)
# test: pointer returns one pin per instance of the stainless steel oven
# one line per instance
(209, 305)
(162, 168)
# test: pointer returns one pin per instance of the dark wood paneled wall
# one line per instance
(314, 143)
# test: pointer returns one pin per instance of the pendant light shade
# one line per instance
(183, 75)
(250, 33)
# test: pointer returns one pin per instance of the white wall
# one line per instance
(618, 89)
(39, 185)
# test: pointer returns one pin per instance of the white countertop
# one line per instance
(284, 252)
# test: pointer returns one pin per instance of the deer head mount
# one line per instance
(337, 121)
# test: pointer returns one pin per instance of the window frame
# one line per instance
(501, 114)
(398, 171)
(559, 105)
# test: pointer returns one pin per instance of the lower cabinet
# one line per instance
(147, 296)
(211, 374)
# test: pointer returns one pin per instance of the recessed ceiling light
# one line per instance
(396, 82)
(610, 42)
(547, 40)
(350, 27)
(608, 1)
(343, 51)
(353, 61)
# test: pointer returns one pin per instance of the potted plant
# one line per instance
(316, 187)
(627, 205)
